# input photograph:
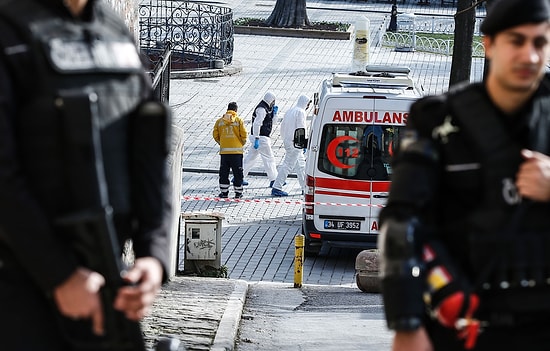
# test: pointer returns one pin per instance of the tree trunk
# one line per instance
(289, 13)
(461, 66)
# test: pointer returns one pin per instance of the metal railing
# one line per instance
(160, 76)
(426, 44)
(428, 25)
(435, 24)
(200, 34)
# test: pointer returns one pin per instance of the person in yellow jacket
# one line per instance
(230, 134)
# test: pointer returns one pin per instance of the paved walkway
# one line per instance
(204, 312)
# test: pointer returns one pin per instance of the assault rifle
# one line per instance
(90, 228)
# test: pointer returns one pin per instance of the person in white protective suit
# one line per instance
(294, 159)
(260, 141)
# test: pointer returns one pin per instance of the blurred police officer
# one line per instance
(66, 65)
(465, 236)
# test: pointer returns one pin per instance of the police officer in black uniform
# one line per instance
(465, 236)
(66, 65)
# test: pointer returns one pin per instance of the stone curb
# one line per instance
(234, 68)
(229, 324)
(294, 32)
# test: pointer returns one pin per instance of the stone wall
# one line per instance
(128, 10)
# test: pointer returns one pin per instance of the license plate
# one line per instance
(342, 225)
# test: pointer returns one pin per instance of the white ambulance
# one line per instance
(357, 123)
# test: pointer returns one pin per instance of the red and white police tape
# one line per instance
(273, 201)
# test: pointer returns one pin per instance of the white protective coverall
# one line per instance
(264, 150)
(294, 159)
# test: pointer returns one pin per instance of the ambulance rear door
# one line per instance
(342, 196)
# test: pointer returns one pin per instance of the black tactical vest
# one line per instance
(267, 125)
(63, 70)
(503, 235)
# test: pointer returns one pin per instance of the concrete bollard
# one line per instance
(366, 271)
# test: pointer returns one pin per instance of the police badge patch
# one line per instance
(82, 56)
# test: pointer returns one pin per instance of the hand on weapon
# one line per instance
(78, 297)
(144, 279)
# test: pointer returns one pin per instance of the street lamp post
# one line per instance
(393, 18)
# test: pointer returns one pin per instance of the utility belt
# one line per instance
(514, 285)
(515, 307)
(513, 320)
(515, 257)
(519, 261)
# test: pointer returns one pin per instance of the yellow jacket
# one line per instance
(229, 133)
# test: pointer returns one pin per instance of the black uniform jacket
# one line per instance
(460, 183)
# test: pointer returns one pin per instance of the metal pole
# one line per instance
(393, 18)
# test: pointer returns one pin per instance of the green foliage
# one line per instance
(245, 21)
(323, 25)
(338, 26)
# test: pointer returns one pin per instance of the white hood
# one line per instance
(303, 101)
(294, 118)
(269, 97)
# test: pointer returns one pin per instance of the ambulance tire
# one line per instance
(311, 250)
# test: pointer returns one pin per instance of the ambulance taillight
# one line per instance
(309, 196)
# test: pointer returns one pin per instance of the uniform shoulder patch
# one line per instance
(428, 112)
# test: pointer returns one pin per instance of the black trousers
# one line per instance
(234, 163)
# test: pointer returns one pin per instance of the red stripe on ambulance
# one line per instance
(352, 185)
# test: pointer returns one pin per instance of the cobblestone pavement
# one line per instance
(204, 312)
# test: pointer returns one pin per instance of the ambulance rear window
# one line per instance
(358, 151)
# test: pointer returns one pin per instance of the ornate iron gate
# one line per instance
(200, 34)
